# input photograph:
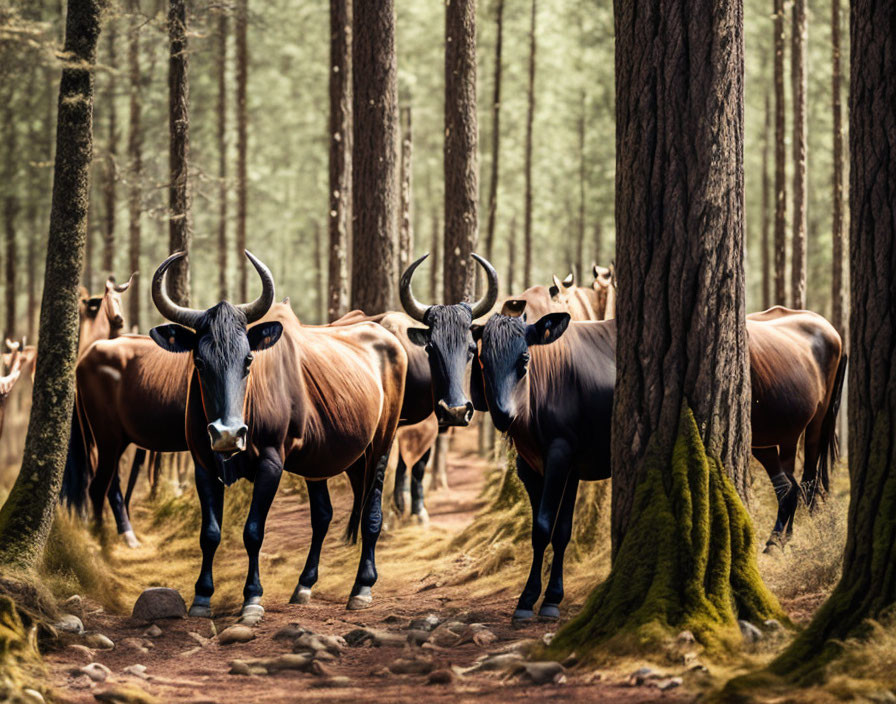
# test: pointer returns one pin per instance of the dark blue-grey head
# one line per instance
(222, 344)
(504, 356)
(448, 342)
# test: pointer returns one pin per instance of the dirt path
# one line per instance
(182, 666)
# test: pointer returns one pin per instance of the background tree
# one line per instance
(837, 286)
(110, 176)
(26, 516)
(800, 86)
(11, 205)
(496, 133)
(766, 213)
(242, 139)
(179, 226)
(461, 151)
(780, 162)
(135, 156)
(374, 175)
(222, 35)
(405, 218)
(530, 118)
(681, 408)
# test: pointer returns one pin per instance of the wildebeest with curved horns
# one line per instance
(319, 402)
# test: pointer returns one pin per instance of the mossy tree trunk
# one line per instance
(868, 585)
(26, 516)
(683, 546)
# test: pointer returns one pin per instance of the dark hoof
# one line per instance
(302, 595)
(549, 612)
(523, 615)
(200, 611)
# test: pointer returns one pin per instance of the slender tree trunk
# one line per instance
(598, 242)
(799, 84)
(26, 516)
(435, 248)
(766, 214)
(374, 168)
(242, 137)
(580, 238)
(461, 151)
(320, 292)
(11, 206)
(530, 117)
(221, 58)
(179, 225)
(135, 155)
(406, 223)
(867, 588)
(683, 549)
(780, 162)
(511, 255)
(837, 298)
(110, 175)
(340, 220)
(496, 133)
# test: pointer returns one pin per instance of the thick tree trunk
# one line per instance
(837, 298)
(110, 176)
(135, 156)
(242, 138)
(374, 168)
(780, 162)
(179, 225)
(496, 134)
(406, 223)
(340, 218)
(530, 117)
(766, 214)
(682, 542)
(221, 59)
(461, 151)
(800, 86)
(26, 516)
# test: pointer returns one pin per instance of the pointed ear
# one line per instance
(547, 329)
(174, 338)
(476, 332)
(92, 305)
(419, 336)
(264, 335)
(569, 280)
(513, 307)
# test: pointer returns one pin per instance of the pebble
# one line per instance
(750, 633)
(417, 637)
(99, 641)
(773, 624)
(158, 603)
(96, 671)
(84, 653)
(502, 661)
(427, 623)
(642, 675)
(153, 631)
(443, 676)
(135, 644)
(136, 671)
(69, 623)
(671, 683)
(317, 643)
(544, 672)
(412, 666)
(240, 667)
(236, 634)
(32, 695)
(374, 636)
(290, 632)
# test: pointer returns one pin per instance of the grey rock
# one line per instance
(158, 603)
(750, 633)
(501, 661)
(236, 634)
(96, 671)
(83, 652)
(543, 672)
(136, 671)
(670, 683)
(153, 631)
(69, 623)
(427, 623)
(309, 642)
(417, 637)
(376, 637)
(99, 641)
(290, 632)
(773, 625)
(642, 675)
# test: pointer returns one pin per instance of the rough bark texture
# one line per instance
(496, 134)
(320, 293)
(780, 162)
(511, 257)
(682, 540)
(837, 231)
(135, 156)
(435, 250)
(11, 203)
(406, 222)
(583, 175)
(799, 87)
(461, 151)
(340, 219)
(868, 585)
(242, 137)
(179, 225)
(221, 59)
(766, 213)
(598, 243)
(530, 117)
(374, 167)
(26, 516)
(110, 176)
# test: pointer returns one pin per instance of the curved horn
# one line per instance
(485, 304)
(121, 288)
(261, 305)
(411, 305)
(188, 317)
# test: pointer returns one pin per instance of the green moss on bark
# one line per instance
(687, 562)
(20, 665)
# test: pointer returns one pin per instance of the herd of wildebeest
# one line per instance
(250, 391)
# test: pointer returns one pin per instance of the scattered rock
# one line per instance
(547, 638)
(544, 672)
(643, 675)
(476, 633)
(73, 603)
(447, 634)
(84, 653)
(158, 603)
(750, 633)
(427, 623)
(136, 671)
(773, 625)
(201, 640)
(125, 695)
(392, 618)
(332, 682)
(374, 636)
(236, 634)
(381, 671)
(99, 641)
(309, 642)
(290, 632)
(443, 676)
(239, 667)
(318, 668)
(81, 681)
(501, 661)
(324, 655)
(667, 684)
(33, 696)
(686, 638)
(417, 636)
(412, 666)
(137, 644)
(153, 631)
(69, 623)
(96, 671)
(571, 660)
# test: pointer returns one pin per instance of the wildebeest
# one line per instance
(13, 362)
(101, 316)
(314, 401)
(604, 287)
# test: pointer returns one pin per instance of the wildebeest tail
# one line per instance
(76, 475)
(354, 520)
(829, 445)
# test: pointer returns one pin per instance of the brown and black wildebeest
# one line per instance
(13, 361)
(265, 397)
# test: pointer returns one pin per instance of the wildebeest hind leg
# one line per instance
(401, 483)
(120, 512)
(267, 479)
(321, 514)
(550, 607)
(417, 472)
(371, 524)
(534, 484)
(786, 492)
(211, 502)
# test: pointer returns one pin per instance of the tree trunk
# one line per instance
(135, 155)
(179, 226)
(242, 136)
(26, 516)
(683, 549)
(496, 133)
(780, 163)
(110, 176)
(461, 152)
(374, 172)
(598, 242)
(11, 206)
(799, 82)
(435, 248)
(867, 587)
(406, 228)
(766, 215)
(221, 59)
(530, 117)
(320, 292)
(340, 219)
(580, 238)
(511, 256)
(837, 298)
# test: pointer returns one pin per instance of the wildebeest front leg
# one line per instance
(321, 514)
(371, 524)
(417, 472)
(267, 479)
(534, 484)
(211, 501)
(553, 595)
(120, 512)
